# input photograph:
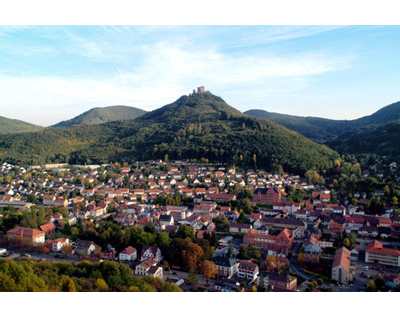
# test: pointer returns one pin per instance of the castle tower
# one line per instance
(200, 89)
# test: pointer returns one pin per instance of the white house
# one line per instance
(148, 267)
(151, 252)
(58, 244)
(128, 254)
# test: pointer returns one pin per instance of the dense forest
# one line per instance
(322, 130)
(380, 140)
(315, 128)
(193, 127)
(31, 276)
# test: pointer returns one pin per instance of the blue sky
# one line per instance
(53, 73)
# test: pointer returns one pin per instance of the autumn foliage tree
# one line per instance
(209, 269)
(192, 255)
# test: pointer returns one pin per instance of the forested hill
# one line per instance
(378, 133)
(192, 108)
(322, 130)
(193, 127)
(316, 128)
(104, 115)
(374, 139)
(9, 126)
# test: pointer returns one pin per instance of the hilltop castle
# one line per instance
(200, 89)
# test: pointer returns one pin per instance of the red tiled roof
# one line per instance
(342, 258)
(48, 228)
(129, 250)
(25, 232)
(374, 244)
(384, 251)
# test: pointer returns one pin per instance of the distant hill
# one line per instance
(323, 130)
(385, 115)
(197, 126)
(9, 126)
(104, 115)
(381, 139)
(315, 128)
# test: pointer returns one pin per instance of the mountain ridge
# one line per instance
(10, 126)
(100, 115)
(325, 130)
(197, 126)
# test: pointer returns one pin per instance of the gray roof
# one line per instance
(223, 261)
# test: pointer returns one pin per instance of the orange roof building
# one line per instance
(48, 228)
(23, 236)
(375, 253)
(284, 240)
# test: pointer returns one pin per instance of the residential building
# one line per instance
(148, 267)
(48, 228)
(226, 267)
(57, 245)
(248, 270)
(151, 252)
(239, 228)
(281, 282)
(312, 251)
(128, 254)
(85, 247)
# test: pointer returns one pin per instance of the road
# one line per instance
(295, 268)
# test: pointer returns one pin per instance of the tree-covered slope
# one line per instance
(103, 115)
(9, 126)
(316, 128)
(193, 127)
(322, 130)
(381, 139)
(385, 115)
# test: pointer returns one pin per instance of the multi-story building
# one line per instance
(25, 237)
(248, 270)
(58, 244)
(282, 223)
(281, 282)
(375, 253)
(267, 195)
(284, 240)
(239, 228)
(148, 267)
(151, 252)
(226, 267)
(312, 251)
(128, 254)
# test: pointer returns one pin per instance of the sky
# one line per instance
(53, 73)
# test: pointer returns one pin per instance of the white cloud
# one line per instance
(152, 73)
(165, 72)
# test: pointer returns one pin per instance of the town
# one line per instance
(209, 227)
